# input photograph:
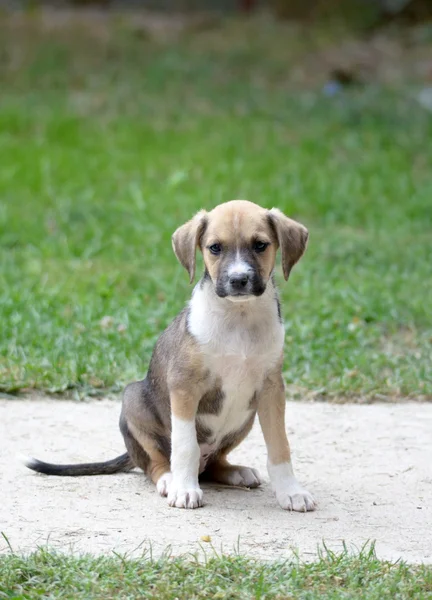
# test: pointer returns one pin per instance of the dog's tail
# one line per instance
(116, 465)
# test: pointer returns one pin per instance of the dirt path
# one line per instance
(369, 467)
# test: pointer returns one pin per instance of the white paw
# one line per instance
(163, 483)
(244, 477)
(184, 497)
(294, 497)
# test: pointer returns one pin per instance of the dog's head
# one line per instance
(239, 241)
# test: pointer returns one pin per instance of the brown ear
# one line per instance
(292, 238)
(186, 239)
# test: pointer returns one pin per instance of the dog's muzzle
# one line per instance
(240, 283)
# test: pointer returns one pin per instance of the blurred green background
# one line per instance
(116, 126)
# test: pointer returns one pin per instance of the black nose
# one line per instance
(238, 281)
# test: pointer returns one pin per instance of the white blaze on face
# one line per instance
(239, 266)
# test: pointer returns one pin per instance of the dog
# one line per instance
(216, 366)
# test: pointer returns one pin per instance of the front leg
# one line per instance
(184, 490)
(271, 412)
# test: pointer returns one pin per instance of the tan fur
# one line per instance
(233, 225)
(215, 365)
(236, 223)
(158, 463)
(292, 238)
(271, 414)
(187, 373)
(186, 240)
(184, 404)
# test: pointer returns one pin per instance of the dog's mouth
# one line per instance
(241, 298)
(240, 295)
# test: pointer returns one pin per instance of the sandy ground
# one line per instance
(369, 467)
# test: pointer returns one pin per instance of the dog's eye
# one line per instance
(215, 248)
(260, 246)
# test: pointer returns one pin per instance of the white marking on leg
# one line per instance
(184, 490)
(289, 493)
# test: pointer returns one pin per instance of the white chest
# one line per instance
(240, 346)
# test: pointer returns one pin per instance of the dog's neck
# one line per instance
(207, 307)
(220, 322)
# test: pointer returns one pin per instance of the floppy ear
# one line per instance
(292, 238)
(186, 239)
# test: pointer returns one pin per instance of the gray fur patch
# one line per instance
(211, 403)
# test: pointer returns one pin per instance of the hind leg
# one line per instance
(224, 472)
(145, 439)
(221, 471)
(146, 455)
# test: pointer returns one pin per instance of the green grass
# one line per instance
(108, 144)
(333, 576)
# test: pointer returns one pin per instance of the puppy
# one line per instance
(216, 366)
